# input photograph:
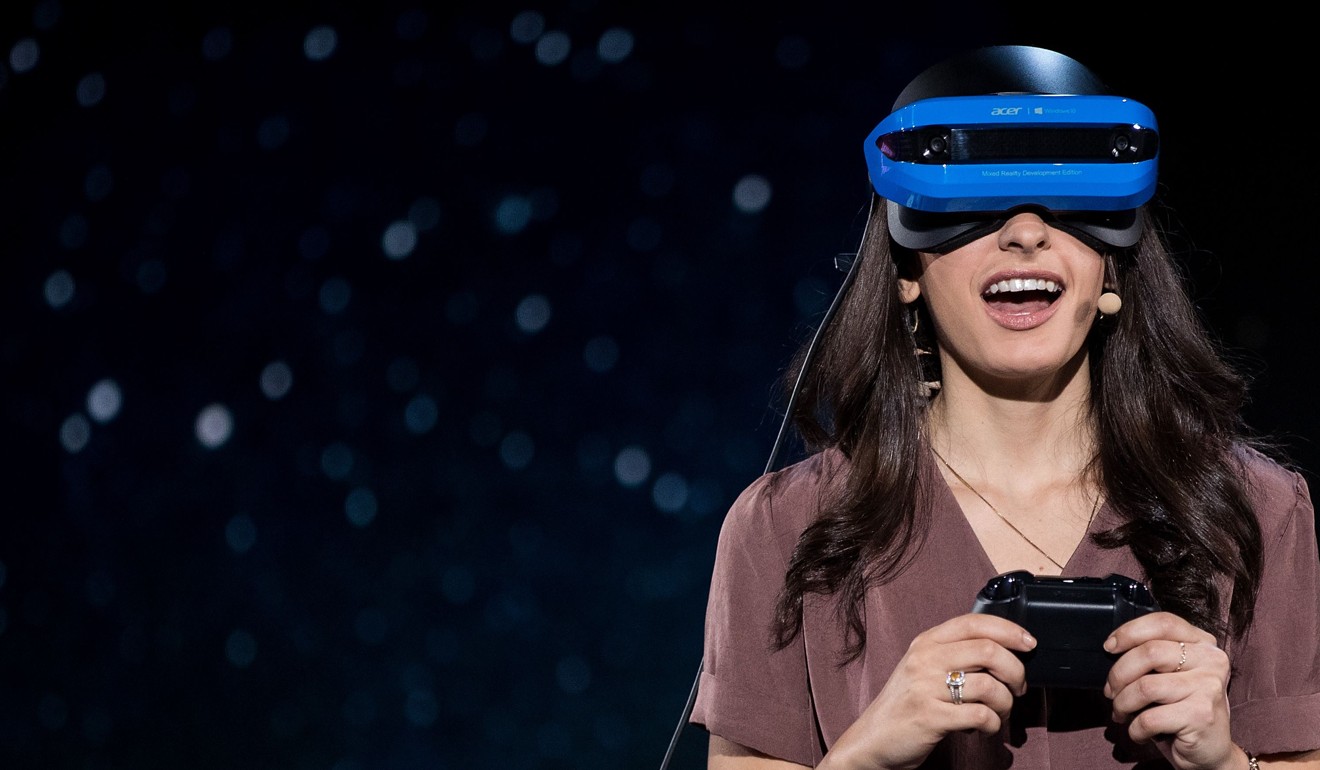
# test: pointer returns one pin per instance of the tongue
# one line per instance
(1019, 302)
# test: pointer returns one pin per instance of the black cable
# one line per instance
(854, 260)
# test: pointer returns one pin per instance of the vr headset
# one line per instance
(976, 139)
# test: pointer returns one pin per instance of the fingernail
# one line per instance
(1111, 643)
(1028, 639)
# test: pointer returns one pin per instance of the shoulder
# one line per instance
(1277, 492)
(775, 508)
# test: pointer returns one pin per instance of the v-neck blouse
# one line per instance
(794, 703)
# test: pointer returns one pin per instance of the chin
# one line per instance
(1038, 368)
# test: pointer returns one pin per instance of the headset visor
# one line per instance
(952, 167)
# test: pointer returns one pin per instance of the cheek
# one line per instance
(952, 318)
(1085, 315)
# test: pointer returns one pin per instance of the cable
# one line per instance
(853, 263)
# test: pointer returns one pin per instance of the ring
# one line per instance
(1182, 656)
(955, 680)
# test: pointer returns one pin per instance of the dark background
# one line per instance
(376, 375)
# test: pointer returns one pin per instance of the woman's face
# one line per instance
(1013, 306)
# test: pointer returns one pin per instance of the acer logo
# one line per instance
(997, 111)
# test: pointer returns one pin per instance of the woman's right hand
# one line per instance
(915, 710)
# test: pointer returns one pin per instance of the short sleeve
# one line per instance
(1274, 692)
(748, 692)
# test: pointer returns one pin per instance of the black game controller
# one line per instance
(1070, 617)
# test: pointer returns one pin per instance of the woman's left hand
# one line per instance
(1170, 684)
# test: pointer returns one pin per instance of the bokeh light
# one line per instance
(320, 42)
(214, 426)
(378, 378)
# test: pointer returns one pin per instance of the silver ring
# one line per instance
(955, 680)
(1182, 656)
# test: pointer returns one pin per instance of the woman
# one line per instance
(1025, 389)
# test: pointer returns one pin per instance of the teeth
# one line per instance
(1023, 284)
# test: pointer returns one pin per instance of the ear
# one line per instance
(908, 290)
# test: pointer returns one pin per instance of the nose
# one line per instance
(1024, 232)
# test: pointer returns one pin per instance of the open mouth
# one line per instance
(1015, 296)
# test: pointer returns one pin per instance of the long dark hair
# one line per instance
(1167, 412)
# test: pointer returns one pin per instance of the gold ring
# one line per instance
(1182, 656)
(955, 680)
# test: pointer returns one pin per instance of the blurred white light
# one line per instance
(632, 466)
(91, 90)
(533, 313)
(335, 294)
(615, 45)
(553, 48)
(421, 414)
(424, 213)
(360, 507)
(240, 648)
(59, 288)
(217, 44)
(241, 533)
(751, 194)
(644, 234)
(512, 214)
(670, 493)
(104, 401)
(320, 42)
(214, 426)
(151, 276)
(75, 432)
(276, 380)
(399, 240)
(337, 460)
(23, 56)
(526, 27)
(601, 354)
(273, 132)
(516, 450)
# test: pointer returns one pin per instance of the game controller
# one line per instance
(1070, 617)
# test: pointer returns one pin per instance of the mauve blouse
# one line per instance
(795, 703)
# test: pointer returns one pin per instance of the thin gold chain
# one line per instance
(1004, 518)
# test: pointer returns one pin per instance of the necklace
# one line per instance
(1004, 518)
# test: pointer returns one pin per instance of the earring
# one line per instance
(913, 319)
(1109, 303)
(926, 388)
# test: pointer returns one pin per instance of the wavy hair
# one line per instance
(1165, 404)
